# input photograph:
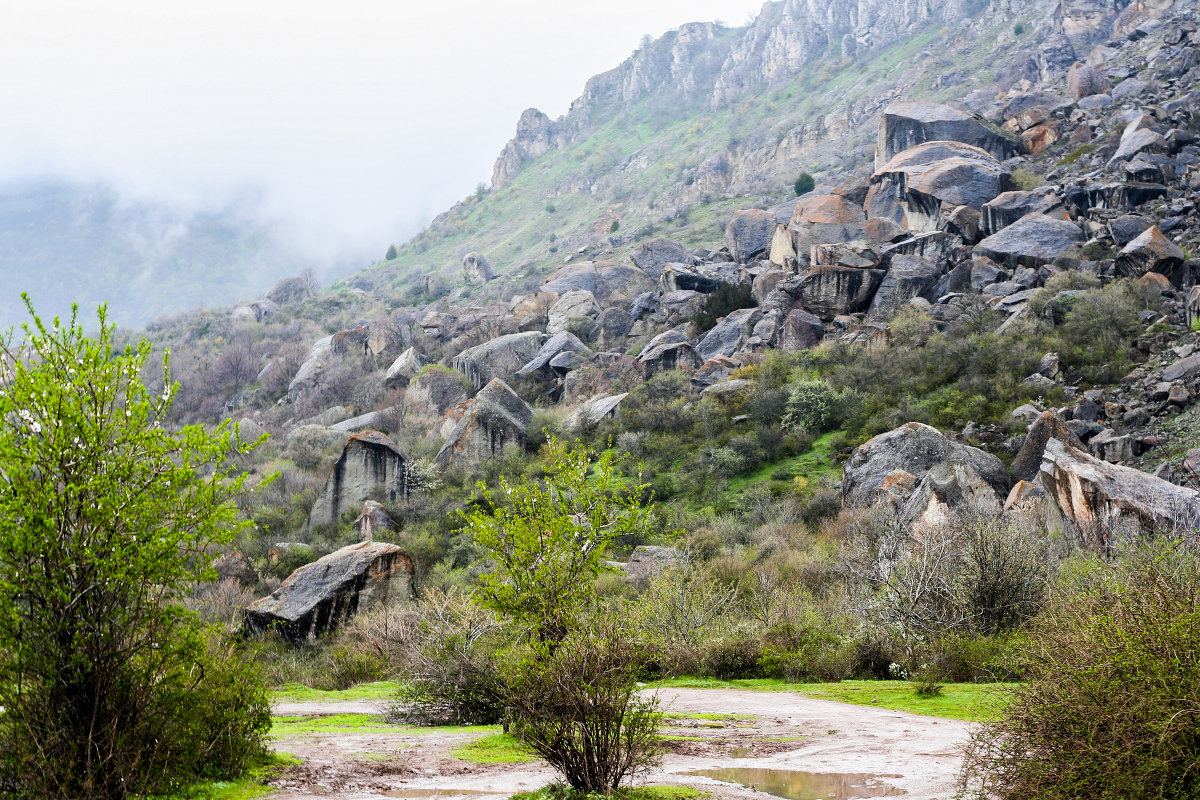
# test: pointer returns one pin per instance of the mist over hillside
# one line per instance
(68, 242)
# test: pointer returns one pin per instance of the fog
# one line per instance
(353, 122)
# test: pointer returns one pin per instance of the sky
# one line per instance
(351, 122)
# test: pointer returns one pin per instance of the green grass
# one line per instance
(308, 724)
(250, 786)
(711, 717)
(966, 701)
(499, 748)
(299, 693)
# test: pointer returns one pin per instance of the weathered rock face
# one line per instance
(499, 358)
(655, 254)
(911, 188)
(371, 466)
(748, 235)
(800, 331)
(1028, 461)
(1100, 498)
(573, 308)
(948, 488)
(914, 449)
(536, 134)
(321, 596)
(496, 419)
(906, 125)
(1084, 81)
(478, 268)
(607, 280)
(435, 391)
(1009, 207)
(669, 350)
(1152, 251)
(1031, 241)
(908, 278)
(728, 335)
(592, 411)
(372, 520)
(828, 292)
(404, 368)
(823, 219)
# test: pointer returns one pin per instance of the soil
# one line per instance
(775, 730)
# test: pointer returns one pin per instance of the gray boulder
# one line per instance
(478, 268)
(1032, 241)
(373, 519)
(669, 350)
(912, 187)
(321, 596)
(435, 391)
(829, 292)
(572, 308)
(655, 254)
(499, 358)
(909, 277)
(914, 449)
(563, 342)
(1009, 207)
(906, 125)
(1028, 461)
(948, 488)
(404, 368)
(748, 235)
(370, 466)
(496, 419)
(800, 331)
(592, 411)
(1101, 498)
(612, 329)
(729, 334)
(1152, 251)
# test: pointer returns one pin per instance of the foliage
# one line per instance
(391, 253)
(804, 184)
(106, 517)
(1111, 707)
(580, 710)
(813, 405)
(727, 298)
(548, 539)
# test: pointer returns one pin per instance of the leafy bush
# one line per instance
(727, 298)
(1110, 708)
(812, 405)
(804, 184)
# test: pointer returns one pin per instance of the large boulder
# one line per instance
(908, 278)
(562, 342)
(1009, 207)
(1031, 241)
(948, 488)
(1152, 251)
(1085, 81)
(906, 125)
(477, 268)
(748, 235)
(824, 219)
(800, 331)
(728, 335)
(914, 449)
(655, 254)
(499, 358)
(829, 292)
(912, 187)
(435, 390)
(593, 410)
(496, 419)
(573, 308)
(669, 350)
(371, 466)
(1102, 498)
(404, 368)
(321, 596)
(373, 519)
(605, 279)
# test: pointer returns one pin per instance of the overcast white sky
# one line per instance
(359, 119)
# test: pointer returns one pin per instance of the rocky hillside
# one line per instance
(986, 302)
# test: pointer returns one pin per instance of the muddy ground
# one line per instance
(776, 730)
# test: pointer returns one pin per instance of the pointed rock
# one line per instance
(370, 466)
(496, 419)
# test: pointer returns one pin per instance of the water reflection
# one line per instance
(796, 785)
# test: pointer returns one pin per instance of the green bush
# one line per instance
(804, 184)
(1112, 703)
(727, 298)
(813, 405)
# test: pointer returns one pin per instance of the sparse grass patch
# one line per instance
(499, 748)
(252, 785)
(298, 692)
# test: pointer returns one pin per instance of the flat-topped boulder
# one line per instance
(1009, 207)
(1031, 241)
(321, 596)
(824, 219)
(496, 419)
(906, 125)
(370, 467)
(914, 184)
(655, 254)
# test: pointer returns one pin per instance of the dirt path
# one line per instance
(776, 730)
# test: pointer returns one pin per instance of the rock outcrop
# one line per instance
(906, 125)
(498, 358)
(319, 597)
(370, 466)
(496, 419)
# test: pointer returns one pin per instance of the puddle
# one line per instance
(795, 785)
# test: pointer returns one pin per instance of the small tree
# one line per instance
(391, 253)
(572, 686)
(108, 687)
(805, 184)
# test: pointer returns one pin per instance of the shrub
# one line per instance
(727, 298)
(1110, 708)
(738, 657)
(804, 184)
(812, 405)
(580, 709)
